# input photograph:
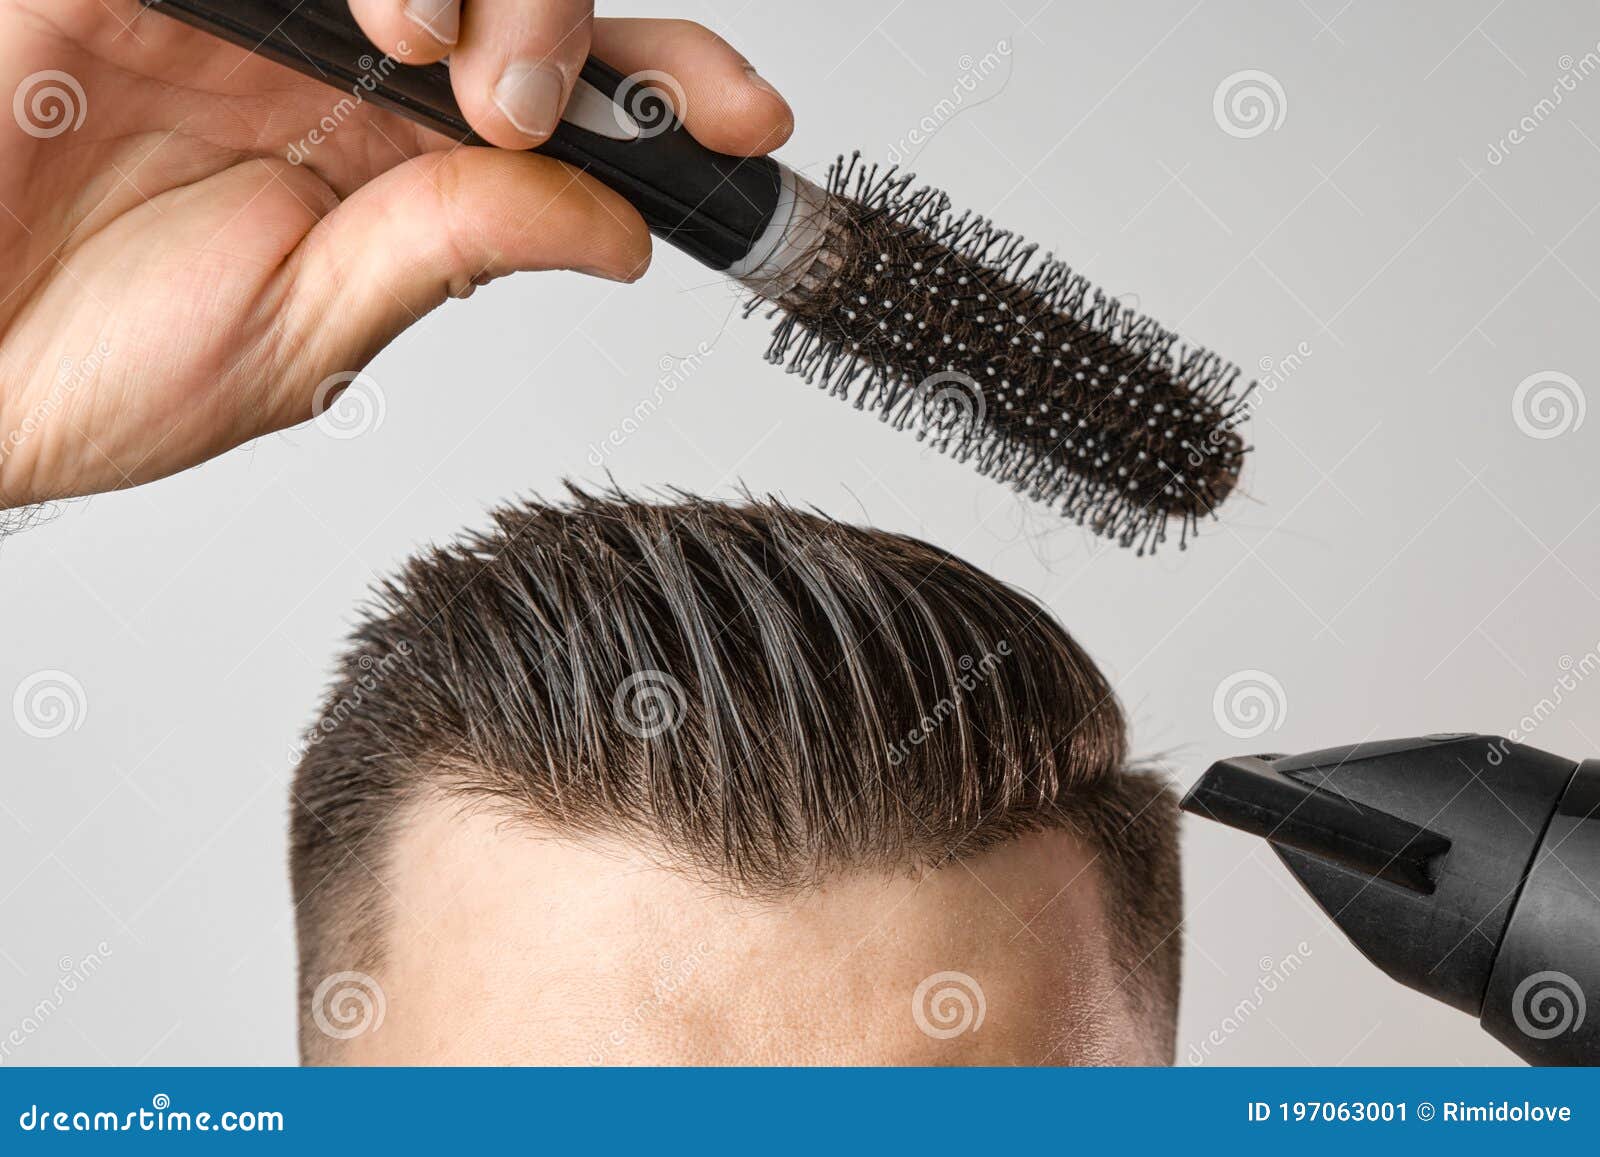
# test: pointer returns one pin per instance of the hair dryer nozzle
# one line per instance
(1248, 793)
(1465, 866)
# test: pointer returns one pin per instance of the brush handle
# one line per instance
(719, 209)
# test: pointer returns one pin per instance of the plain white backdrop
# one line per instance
(1406, 558)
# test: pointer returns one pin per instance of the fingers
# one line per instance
(415, 31)
(435, 227)
(516, 66)
(720, 98)
(513, 64)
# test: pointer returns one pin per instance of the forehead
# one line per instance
(507, 943)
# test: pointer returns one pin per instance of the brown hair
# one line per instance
(765, 695)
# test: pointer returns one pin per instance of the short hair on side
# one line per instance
(762, 694)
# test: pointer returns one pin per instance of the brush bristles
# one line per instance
(1012, 362)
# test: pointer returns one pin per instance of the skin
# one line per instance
(507, 946)
(172, 286)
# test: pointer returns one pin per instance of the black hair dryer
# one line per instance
(1465, 866)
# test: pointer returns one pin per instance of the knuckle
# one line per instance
(692, 30)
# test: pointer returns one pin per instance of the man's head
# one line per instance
(695, 782)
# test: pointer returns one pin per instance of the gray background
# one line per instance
(1406, 559)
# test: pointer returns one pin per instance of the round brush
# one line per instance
(938, 321)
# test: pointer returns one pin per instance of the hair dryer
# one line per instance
(1465, 866)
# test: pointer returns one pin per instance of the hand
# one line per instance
(171, 285)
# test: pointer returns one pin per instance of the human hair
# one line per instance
(759, 695)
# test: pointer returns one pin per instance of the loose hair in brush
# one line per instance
(1011, 361)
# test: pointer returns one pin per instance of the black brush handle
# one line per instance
(712, 206)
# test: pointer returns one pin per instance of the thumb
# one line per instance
(433, 228)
